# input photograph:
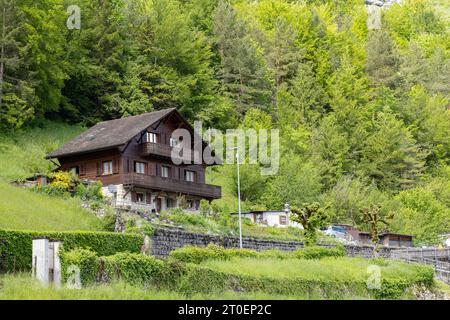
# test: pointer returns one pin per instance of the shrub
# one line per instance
(62, 183)
(319, 252)
(16, 246)
(190, 254)
(85, 260)
(134, 268)
(90, 192)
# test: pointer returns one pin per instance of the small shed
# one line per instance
(388, 239)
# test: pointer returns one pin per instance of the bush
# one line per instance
(191, 254)
(196, 255)
(319, 252)
(134, 268)
(85, 260)
(89, 192)
(62, 183)
(16, 246)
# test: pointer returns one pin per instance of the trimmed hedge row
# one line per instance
(139, 269)
(133, 268)
(190, 254)
(16, 246)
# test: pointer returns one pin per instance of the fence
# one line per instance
(438, 258)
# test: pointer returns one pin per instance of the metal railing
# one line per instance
(438, 258)
(173, 185)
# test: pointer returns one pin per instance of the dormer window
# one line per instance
(151, 137)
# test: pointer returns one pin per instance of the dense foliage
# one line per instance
(363, 114)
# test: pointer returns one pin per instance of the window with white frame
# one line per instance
(107, 167)
(140, 197)
(189, 175)
(75, 170)
(151, 137)
(139, 167)
(173, 142)
(164, 171)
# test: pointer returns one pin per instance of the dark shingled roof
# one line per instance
(109, 134)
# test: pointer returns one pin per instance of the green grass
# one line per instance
(22, 154)
(21, 208)
(23, 287)
(332, 269)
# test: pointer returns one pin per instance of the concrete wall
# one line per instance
(166, 240)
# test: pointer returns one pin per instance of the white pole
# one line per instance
(239, 199)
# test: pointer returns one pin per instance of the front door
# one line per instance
(158, 204)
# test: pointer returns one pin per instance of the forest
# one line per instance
(364, 115)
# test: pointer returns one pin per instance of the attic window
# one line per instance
(150, 137)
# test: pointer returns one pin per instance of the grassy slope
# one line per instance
(24, 209)
(22, 155)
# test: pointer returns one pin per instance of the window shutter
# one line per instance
(99, 168)
(156, 169)
(148, 197)
(82, 169)
(146, 172)
(133, 196)
(116, 165)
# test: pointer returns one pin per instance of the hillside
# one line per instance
(21, 156)
(25, 209)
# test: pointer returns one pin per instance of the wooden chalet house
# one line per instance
(132, 158)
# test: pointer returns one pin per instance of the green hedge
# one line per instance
(319, 252)
(190, 254)
(133, 268)
(16, 246)
(85, 259)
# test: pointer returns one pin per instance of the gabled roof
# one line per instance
(110, 134)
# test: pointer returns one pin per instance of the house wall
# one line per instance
(273, 219)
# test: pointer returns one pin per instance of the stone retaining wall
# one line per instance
(166, 240)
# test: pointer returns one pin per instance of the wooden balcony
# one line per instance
(160, 150)
(172, 185)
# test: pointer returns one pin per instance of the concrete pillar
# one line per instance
(56, 265)
(40, 260)
(46, 263)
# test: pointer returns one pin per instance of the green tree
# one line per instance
(375, 220)
(382, 63)
(311, 216)
(243, 72)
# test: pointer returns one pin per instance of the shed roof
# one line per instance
(110, 134)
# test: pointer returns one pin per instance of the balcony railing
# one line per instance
(162, 150)
(173, 185)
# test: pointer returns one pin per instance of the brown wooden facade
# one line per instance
(144, 165)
